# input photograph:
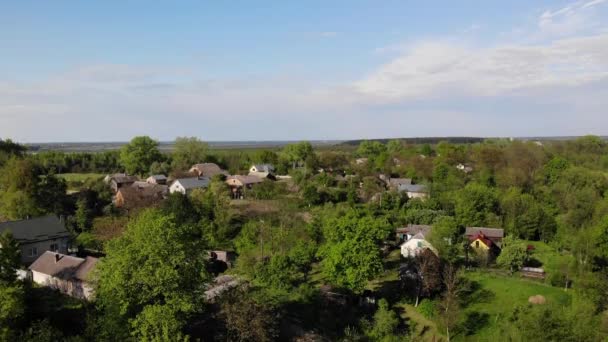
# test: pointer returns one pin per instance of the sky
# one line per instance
(301, 70)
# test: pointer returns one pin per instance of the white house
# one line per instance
(415, 246)
(64, 273)
(414, 190)
(186, 185)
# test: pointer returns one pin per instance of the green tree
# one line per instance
(370, 149)
(297, 153)
(158, 323)
(12, 310)
(9, 258)
(475, 205)
(513, 255)
(138, 155)
(350, 254)
(385, 323)
(445, 237)
(156, 262)
(26, 190)
(188, 151)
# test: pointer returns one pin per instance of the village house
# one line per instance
(406, 233)
(65, 273)
(117, 182)
(139, 195)
(207, 170)
(464, 168)
(186, 185)
(485, 236)
(414, 190)
(395, 183)
(262, 170)
(38, 235)
(239, 183)
(486, 242)
(415, 245)
(361, 161)
(157, 179)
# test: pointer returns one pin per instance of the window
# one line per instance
(477, 244)
(54, 247)
(32, 252)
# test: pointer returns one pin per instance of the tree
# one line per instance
(445, 236)
(9, 258)
(475, 205)
(370, 149)
(248, 320)
(157, 263)
(188, 151)
(385, 323)
(26, 190)
(138, 155)
(12, 309)
(449, 304)
(297, 153)
(158, 323)
(513, 255)
(350, 254)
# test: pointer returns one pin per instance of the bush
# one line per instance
(428, 308)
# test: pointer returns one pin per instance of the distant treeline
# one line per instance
(422, 140)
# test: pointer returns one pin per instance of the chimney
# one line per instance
(57, 257)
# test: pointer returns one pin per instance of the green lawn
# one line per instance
(552, 260)
(80, 177)
(496, 298)
(76, 180)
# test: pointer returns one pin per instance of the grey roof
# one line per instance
(63, 266)
(159, 177)
(36, 229)
(124, 179)
(488, 232)
(193, 182)
(413, 229)
(207, 169)
(399, 181)
(413, 187)
(264, 167)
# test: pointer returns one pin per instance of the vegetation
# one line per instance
(316, 251)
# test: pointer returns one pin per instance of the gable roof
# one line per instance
(245, 180)
(396, 182)
(492, 233)
(158, 177)
(481, 237)
(63, 266)
(36, 229)
(193, 182)
(412, 187)
(207, 169)
(413, 229)
(263, 167)
(124, 179)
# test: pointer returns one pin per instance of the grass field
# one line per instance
(80, 177)
(496, 298)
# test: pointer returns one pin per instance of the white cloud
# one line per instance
(579, 16)
(439, 68)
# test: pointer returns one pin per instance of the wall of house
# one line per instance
(42, 247)
(417, 195)
(74, 288)
(482, 246)
(176, 187)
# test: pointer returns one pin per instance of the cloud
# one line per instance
(576, 17)
(556, 83)
(434, 69)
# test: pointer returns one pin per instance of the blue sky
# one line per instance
(270, 70)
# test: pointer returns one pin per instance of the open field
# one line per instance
(80, 177)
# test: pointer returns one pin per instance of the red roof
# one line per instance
(483, 239)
